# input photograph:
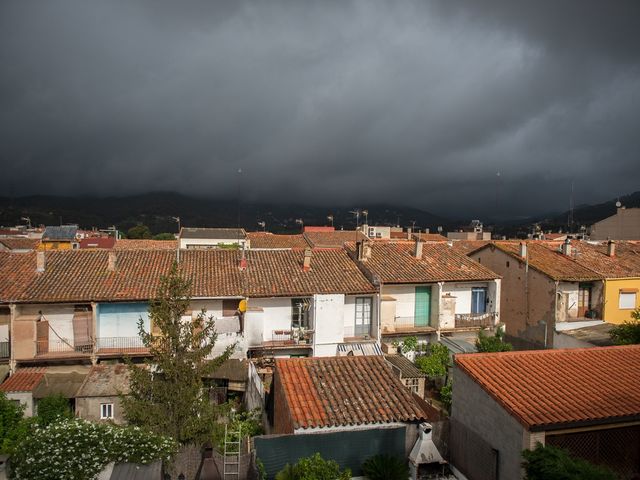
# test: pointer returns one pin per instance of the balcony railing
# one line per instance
(294, 338)
(120, 345)
(63, 348)
(5, 349)
(470, 320)
(406, 324)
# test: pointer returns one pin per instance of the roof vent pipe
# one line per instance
(418, 249)
(41, 261)
(306, 264)
(111, 261)
(523, 250)
(611, 248)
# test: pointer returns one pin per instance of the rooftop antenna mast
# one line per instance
(570, 220)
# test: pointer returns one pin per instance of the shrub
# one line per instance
(52, 409)
(313, 468)
(551, 463)
(409, 344)
(627, 333)
(78, 449)
(446, 395)
(13, 427)
(436, 363)
(249, 424)
(494, 343)
(385, 467)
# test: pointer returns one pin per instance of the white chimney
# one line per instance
(566, 247)
(306, 265)
(523, 250)
(418, 249)
(41, 261)
(611, 248)
(111, 261)
(408, 233)
(366, 250)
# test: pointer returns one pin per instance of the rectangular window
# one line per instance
(363, 316)
(230, 307)
(478, 300)
(627, 300)
(300, 312)
(413, 384)
(106, 411)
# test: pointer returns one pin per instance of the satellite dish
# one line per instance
(618, 204)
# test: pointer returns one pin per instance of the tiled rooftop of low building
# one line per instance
(344, 391)
(24, 380)
(547, 389)
(266, 240)
(335, 239)
(135, 244)
(394, 262)
(20, 243)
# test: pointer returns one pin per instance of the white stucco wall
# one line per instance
(405, 298)
(208, 242)
(571, 290)
(61, 322)
(329, 323)
(25, 398)
(276, 314)
(4, 333)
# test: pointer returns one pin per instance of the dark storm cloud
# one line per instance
(461, 107)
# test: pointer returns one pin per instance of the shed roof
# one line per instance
(551, 389)
(216, 233)
(405, 366)
(60, 233)
(342, 391)
(105, 380)
(23, 380)
(65, 384)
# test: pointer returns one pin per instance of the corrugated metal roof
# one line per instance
(365, 348)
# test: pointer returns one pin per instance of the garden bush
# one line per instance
(551, 463)
(313, 468)
(52, 409)
(385, 467)
(78, 450)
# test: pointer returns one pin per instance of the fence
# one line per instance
(254, 396)
(469, 320)
(616, 448)
(471, 454)
(349, 448)
(120, 344)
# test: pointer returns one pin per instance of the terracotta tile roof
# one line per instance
(334, 239)
(269, 240)
(82, 275)
(20, 243)
(341, 391)
(217, 233)
(429, 237)
(552, 263)
(16, 272)
(24, 380)
(468, 246)
(394, 262)
(624, 264)
(547, 389)
(132, 244)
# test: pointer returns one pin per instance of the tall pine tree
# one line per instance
(167, 395)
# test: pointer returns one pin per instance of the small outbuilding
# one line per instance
(98, 398)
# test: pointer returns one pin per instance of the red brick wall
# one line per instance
(282, 422)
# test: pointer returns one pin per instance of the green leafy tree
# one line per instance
(495, 343)
(13, 425)
(385, 467)
(627, 333)
(313, 468)
(139, 232)
(167, 397)
(434, 364)
(551, 463)
(410, 344)
(164, 236)
(446, 395)
(53, 408)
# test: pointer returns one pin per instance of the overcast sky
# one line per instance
(488, 106)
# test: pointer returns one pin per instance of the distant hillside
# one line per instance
(157, 209)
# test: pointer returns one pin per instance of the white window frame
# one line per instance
(106, 411)
(413, 384)
(363, 316)
(627, 300)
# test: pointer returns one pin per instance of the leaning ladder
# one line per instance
(231, 461)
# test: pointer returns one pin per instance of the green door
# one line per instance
(422, 307)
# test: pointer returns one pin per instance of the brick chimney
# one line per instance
(306, 263)
(41, 261)
(111, 261)
(611, 248)
(242, 265)
(417, 251)
(523, 250)
(566, 248)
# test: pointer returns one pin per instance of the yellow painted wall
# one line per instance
(46, 245)
(612, 313)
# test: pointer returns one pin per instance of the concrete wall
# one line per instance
(624, 225)
(89, 409)
(282, 421)
(527, 296)
(26, 399)
(328, 312)
(276, 314)
(476, 410)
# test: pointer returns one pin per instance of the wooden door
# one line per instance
(422, 309)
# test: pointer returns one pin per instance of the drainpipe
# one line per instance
(379, 315)
(555, 314)
(12, 356)
(440, 285)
